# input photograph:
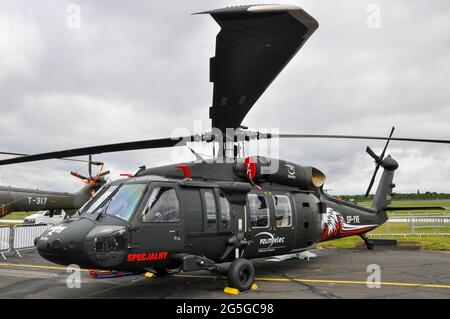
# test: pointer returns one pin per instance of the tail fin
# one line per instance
(382, 197)
(84, 194)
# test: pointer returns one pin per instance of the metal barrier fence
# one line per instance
(20, 237)
(5, 240)
(414, 225)
(438, 222)
(24, 236)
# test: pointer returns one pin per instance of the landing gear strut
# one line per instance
(241, 274)
(369, 243)
(161, 271)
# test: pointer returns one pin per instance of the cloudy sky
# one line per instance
(138, 69)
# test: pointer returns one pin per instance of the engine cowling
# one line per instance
(260, 169)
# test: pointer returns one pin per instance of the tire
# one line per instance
(161, 271)
(241, 274)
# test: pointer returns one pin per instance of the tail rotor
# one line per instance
(99, 178)
(378, 160)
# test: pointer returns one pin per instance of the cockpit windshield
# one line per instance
(117, 200)
(100, 199)
(124, 201)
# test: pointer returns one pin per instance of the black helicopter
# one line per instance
(14, 199)
(197, 215)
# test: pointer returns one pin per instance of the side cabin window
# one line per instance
(162, 206)
(283, 210)
(259, 211)
(211, 210)
(224, 211)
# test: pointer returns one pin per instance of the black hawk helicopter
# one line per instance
(197, 215)
(15, 199)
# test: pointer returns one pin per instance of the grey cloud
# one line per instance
(138, 70)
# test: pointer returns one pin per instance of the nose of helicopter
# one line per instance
(84, 243)
(64, 244)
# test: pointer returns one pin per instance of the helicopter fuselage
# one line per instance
(157, 222)
(14, 199)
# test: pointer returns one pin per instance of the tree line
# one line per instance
(401, 196)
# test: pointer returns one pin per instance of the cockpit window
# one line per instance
(162, 206)
(99, 199)
(124, 201)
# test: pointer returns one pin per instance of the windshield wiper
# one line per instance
(102, 209)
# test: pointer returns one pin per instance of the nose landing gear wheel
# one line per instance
(161, 271)
(241, 274)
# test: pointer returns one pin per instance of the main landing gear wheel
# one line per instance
(241, 274)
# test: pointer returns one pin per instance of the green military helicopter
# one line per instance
(15, 199)
(198, 215)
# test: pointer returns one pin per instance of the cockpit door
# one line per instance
(158, 222)
(216, 222)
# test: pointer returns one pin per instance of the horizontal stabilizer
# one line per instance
(391, 209)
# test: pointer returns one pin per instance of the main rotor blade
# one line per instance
(63, 159)
(181, 141)
(108, 148)
(354, 137)
(253, 46)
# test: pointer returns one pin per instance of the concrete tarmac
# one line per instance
(334, 273)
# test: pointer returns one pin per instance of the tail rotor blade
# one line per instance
(373, 179)
(90, 166)
(378, 160)
(78, 175)
(387, 143)
(103, 174)
(372, 154)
